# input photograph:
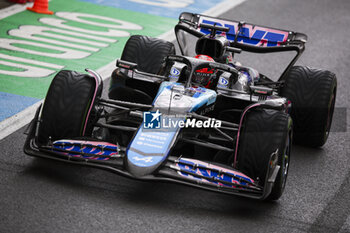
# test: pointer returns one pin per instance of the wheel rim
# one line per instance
(286, 159)
(330, 114)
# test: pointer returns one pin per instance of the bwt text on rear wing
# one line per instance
(251, 37)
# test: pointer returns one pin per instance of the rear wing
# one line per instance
(246, 36)
(251, 37)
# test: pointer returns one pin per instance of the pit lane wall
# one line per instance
(81, 34)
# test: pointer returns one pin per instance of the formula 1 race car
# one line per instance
(199, 119)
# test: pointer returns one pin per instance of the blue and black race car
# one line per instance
(198, 118)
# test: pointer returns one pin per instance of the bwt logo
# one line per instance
(249, 34)
(152, 120)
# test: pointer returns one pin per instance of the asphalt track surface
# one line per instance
(44, 196)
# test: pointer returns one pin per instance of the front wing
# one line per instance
(186, 171)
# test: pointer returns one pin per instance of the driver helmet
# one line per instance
(203, 76)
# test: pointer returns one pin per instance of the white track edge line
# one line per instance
(17, 121)
(14, 9)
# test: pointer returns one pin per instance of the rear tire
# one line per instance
(66, 107)
(148, 53)
(312, 93)
(263, 133)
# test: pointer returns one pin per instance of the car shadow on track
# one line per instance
(141, 194)
(157, 197)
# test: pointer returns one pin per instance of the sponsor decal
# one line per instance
(249, 34)
(149, 148)
(223, 81)
(174, 74)
(147, 159)
(174, 71)
(106, 150)
(221, 174)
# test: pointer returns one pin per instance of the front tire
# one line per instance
(66, 111)
(265, 132)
